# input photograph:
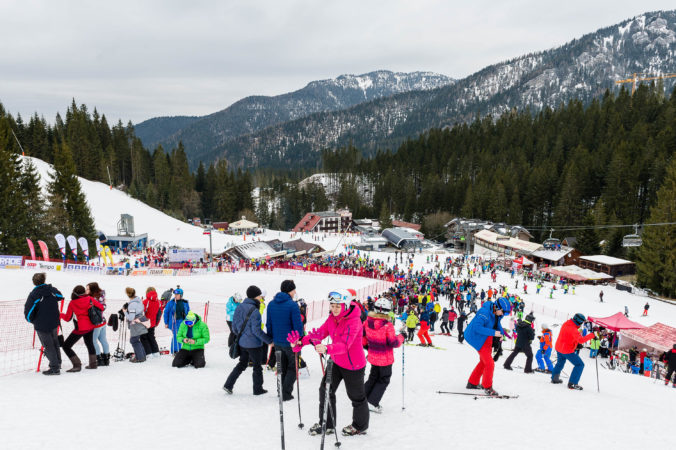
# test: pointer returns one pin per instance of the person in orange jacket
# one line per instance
(543, 355)
(566, 343)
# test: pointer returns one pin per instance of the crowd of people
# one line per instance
(359, 332)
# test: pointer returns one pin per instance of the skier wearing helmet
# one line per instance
(345, 329)
(381, 340)
(479, 334)
(566, 343)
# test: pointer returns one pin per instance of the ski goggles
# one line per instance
(189, 322)
(337, 297)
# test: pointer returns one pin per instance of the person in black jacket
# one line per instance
(461, 326)
(42, 310)
(524, 337)
(671, 365)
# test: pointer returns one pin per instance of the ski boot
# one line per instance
(556, 379)
(352, 431)
(507, 367)
(316, 429)
(575, 387)
(227, 391)
(491, 392)
(376, 409)
(473, 386)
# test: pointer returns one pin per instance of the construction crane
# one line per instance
(644, 77)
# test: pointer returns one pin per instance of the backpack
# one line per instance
(180, 312)
(33, 312)
(158, 318)
(166, 295)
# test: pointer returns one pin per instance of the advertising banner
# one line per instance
(10, 261)
(44, 250)
(72, 243)
(83, 268)
(84, 245)
(61, 242)
(44, 265)
(185, 254)
(31, 247)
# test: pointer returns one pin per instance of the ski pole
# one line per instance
(403, 404)
(598, 387)
(300, 419)
(278, 354)
(328, 408)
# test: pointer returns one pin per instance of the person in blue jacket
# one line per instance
(230, 307)
(284, 317)
(250, 342)
(174, 315)
(479, 334)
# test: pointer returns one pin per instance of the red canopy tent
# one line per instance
(658, 336)
(616, 322)
(523, 261)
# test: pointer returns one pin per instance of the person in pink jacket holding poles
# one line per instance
(345, 329)
(381, 340)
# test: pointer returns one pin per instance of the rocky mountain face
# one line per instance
(581, 69)
(203, 136)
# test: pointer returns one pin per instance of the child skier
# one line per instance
(480, 334)
(381, 342)
(543, 355)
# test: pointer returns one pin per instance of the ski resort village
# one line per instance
(363, 225)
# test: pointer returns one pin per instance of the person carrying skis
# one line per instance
(381, 340)
(543, 356)
(566, 344)
(524, 337)
(345, 329)
(174, 314)
(480, 334)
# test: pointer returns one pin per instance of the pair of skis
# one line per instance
(478, 396)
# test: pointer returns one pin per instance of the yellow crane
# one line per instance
(644, 77)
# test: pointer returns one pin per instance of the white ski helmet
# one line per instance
(342, 296)
(383, 305)
(237, 297)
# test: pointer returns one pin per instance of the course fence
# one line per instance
(20, 349)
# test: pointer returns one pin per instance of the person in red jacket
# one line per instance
(566, 343)
(153, 310)
(79, 307)
(381, 340)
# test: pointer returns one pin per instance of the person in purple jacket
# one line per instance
(345, 329)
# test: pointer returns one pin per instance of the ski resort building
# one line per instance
(490, 243)
(404, 238)
(615, 267)
(325, 221)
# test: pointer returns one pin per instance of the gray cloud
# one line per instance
(135, 60)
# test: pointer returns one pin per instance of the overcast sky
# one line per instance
(134, 60)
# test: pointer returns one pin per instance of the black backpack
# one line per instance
(180, 309)
(166, 295)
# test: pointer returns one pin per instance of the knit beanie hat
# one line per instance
(253, 292)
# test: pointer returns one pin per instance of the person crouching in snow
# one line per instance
(381, 340)
(345, 329)
(543, 356)
(193, 334)
(423, 333)
(480, 334)
(566, 344)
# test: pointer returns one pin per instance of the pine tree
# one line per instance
(34, 203)
(656, 265)
(68, 212)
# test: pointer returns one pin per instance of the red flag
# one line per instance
(31, 248)
(44, 250)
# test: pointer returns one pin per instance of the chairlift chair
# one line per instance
(632, 240)
(551, 243)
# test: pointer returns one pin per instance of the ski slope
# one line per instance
(136, 405)
(107, 204)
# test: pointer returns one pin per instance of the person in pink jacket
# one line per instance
(381, 341)
(345, 329)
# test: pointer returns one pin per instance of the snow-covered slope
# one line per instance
(107, 204)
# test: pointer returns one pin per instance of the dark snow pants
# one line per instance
(50, 342)
(529, 358)
(256, 356)
(354, 385)
(379, 379)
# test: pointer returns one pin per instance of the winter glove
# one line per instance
(315, 336)
(293, 337)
